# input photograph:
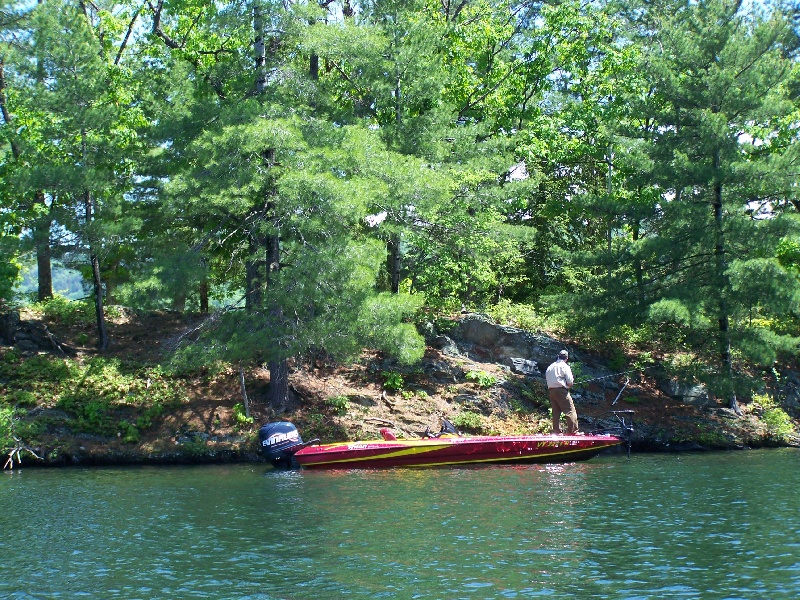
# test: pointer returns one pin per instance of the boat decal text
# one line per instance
(281, 437)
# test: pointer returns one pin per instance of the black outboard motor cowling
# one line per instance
(279, 442)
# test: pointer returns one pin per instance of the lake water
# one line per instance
(723, 525)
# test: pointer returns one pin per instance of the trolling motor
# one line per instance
(623, 429)
(625, 426)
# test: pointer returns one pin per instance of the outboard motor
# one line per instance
(279, 442)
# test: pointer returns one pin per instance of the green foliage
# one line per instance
(240, 416)
(10, 356)
(7, 417)
(65, 311)
(20, 398)
(522, 316)
(644, 360)
(560, 153)
(339, 404)
(318, 426)
(40, 370)
(779, 424)
(9, 266)
(788, 254)
(483, 379)
(469, 421)
(617, 359)
(130, 433)
(392, 380)
(577, 370)
(98, 391)
(535, 394)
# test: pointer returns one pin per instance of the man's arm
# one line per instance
(568, 379)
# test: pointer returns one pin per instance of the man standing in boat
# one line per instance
(559, 381)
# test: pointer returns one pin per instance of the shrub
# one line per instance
(7, 416)
(339, 404)
(44, 368)
(392, 380)
(482, 378)
(130, 433)
(69, 312)
(22, 398)
(522, 316)
(617, 359)
(11, 356)
(240, 415)
(104, 386)
(468, 420)
(779, 424)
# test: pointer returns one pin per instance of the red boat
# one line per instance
(282, 445)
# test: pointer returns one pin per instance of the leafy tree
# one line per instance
(74, 108)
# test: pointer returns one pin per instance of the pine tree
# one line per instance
(716, 88)
(271, 191)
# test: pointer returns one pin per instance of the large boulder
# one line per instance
(525, 352)
(689, 393)
(481, 339)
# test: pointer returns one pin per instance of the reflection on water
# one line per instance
(672, 526)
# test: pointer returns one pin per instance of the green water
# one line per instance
(657, 526)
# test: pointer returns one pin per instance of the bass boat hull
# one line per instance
(455, 450)
(282, 445)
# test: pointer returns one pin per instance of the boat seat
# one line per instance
(387, 435)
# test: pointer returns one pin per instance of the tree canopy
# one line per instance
(318, 172)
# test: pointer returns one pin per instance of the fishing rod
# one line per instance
(614, 375)
(627, 381)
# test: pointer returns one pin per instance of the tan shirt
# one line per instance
(559, 375)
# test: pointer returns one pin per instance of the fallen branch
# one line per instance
(53, 341)
(16, 452)
(379, 421)
(244, 393)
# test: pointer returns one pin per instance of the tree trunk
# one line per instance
(102, 333)
(258, 274)
(245, 399)
(88, 204)
(393, 246)
(278, 393)
(204, 296)
(638, 270)
(179, 301)
(41, 236)
(260, 48)
(255, 271)
(721, 265)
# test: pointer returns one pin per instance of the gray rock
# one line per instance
(524, 366)
(27, 346)
(9, 322)
(446, 345)
(689, 393)
(482, 339)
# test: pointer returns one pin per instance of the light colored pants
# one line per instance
(561, 402)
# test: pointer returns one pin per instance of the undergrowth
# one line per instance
(100, 396)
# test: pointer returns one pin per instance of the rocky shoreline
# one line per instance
(478, 369)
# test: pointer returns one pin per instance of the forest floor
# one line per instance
(340, 402)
